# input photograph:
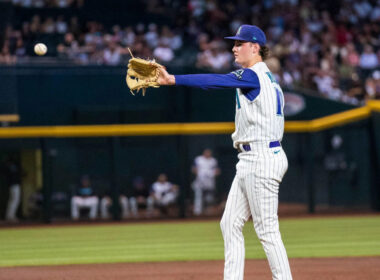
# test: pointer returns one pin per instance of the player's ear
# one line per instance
(255, 48)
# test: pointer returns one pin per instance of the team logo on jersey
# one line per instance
(238, 73)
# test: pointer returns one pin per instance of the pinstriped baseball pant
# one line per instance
(254, 192)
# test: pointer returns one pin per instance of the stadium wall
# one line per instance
(54, 97)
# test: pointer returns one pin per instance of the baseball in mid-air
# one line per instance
(40, 49)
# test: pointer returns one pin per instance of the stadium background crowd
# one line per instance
(330, 46)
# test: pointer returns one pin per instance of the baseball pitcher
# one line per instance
(259, 127)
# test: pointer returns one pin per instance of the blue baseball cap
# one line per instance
(249, 33)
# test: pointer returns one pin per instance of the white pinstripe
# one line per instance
(257, 120)
(254, 190)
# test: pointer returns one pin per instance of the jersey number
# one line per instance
(237, 99)
(280, 101)
(279, 94)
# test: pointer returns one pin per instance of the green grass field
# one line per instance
(309, 237)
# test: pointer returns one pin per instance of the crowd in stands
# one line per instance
(330, 46)
(48, 3)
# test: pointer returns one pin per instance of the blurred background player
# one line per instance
(12, 174)
(106, 203)
(205, 169)
(139, 196)
(163, 194)
(84, 198)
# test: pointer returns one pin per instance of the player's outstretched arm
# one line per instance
(245, 78)
(164, 78)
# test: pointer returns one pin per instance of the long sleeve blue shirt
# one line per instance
(245, 79)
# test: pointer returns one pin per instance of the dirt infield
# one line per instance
(367, 268)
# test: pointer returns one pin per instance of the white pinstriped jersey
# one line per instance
(261, 119)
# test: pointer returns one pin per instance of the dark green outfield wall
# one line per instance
(92, 95)
(98, 95)
(375, 160)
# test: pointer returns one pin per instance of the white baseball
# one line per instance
(40, 49)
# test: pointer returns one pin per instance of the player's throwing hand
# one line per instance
(164, 78)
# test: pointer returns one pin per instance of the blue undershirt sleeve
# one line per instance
(243, 78)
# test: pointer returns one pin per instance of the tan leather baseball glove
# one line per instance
(142, 74)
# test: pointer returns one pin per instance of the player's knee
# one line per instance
(269, 237)
(225, 224)
(222, 226)
(228, 225)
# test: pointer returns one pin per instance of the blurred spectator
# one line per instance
(48, 3)
(368, 59)
(362, 8)
(139, 197)
(163, 194)
(327, 85)
(12, 173)
(112, 54)
(151, 36)
(129, 37)
(48, 27)
(6, 57)
(117, 34)
(216, 57)
(163, 53)
(61, 26)
(69, 47)
(350, 54)
(372, 85)
(356, 92)
(84, 197)
(74, 26)
(63, 3)
(205, 169)
(197, 8)
(35, 24)
(166, 35)
(20, 50)
(23, 3)
(375, 14)
(203, 42)
(343, 36)
(140, 49)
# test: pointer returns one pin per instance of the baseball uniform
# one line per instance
(84, 198)
(12, 175)
(259, 126)
(163, 193)
(204, 183)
